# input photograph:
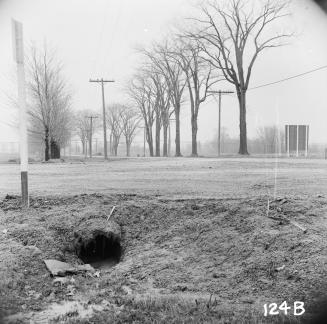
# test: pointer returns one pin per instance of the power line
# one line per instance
(289, 78)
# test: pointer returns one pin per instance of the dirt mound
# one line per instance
(193, 260)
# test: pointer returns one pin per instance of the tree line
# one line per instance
(221, 47)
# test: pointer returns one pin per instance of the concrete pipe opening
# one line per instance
(98, 244)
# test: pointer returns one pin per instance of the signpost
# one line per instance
(18, 47)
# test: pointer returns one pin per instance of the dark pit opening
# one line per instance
(101, 251)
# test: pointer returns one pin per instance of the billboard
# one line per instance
(297, 139)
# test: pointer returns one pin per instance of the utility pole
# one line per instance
(104, 115)
(91, 130)
(18, 47)
(220, 92)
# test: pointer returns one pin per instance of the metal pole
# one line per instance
(219, 123)
(288, 140)
(297, 140)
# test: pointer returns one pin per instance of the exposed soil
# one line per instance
(192, 260)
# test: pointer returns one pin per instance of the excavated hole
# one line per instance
(101, 251)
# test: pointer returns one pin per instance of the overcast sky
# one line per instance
(97, 39)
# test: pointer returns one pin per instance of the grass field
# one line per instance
(200, 242)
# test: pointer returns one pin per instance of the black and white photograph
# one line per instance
(163, 161)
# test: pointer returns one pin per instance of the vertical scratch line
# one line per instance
(277, 147)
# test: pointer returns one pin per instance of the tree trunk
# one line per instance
(165, 143)
(158, 128)
(149, 140)
(128, 148)
(54, 149)
(83, 147)
(46, 140)
(178, 133)
(194, 119)
(110, 144)
(194, 122)
(243, 150)
(115, 147)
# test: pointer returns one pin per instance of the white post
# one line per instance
(288, 140)
(18, 47)
(297, 140)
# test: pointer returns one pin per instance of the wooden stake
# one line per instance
(111, 212)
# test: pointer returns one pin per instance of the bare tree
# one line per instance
(114, 120)
(140, 91)
(130, 118)
(49, 101)
(162, 107)
(199, 79)
(163, 63)
(233, 37)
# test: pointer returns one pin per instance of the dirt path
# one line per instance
(184, 177)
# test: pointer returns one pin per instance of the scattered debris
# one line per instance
(280, 268)
(281, 200)
(33, 294)
(247, 300)
(8, 197)
(71, 290)
(60, 280)
(96, 274)
(299, 226)
(127, 290)
(61, 269)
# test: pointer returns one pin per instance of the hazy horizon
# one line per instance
(97, 39)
